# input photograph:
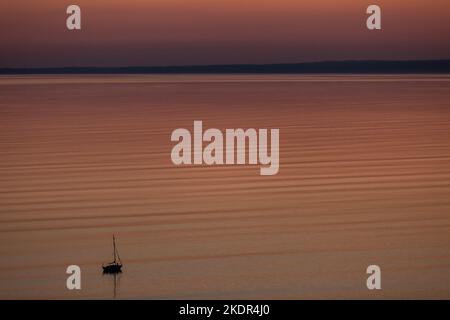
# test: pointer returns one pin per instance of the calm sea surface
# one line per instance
(364, 179)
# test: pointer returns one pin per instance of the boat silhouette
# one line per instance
(116, 265)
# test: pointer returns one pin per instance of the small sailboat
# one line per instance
(116, 265)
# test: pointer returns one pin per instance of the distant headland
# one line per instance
(322, 67)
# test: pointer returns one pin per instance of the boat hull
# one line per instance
(112, 268)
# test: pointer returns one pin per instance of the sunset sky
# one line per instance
(183, 32)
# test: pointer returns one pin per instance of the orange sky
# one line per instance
(174, 32)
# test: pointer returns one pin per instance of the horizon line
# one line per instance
(326, 66)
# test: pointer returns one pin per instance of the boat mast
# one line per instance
(114, 244)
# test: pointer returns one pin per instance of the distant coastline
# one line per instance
(323, 67)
